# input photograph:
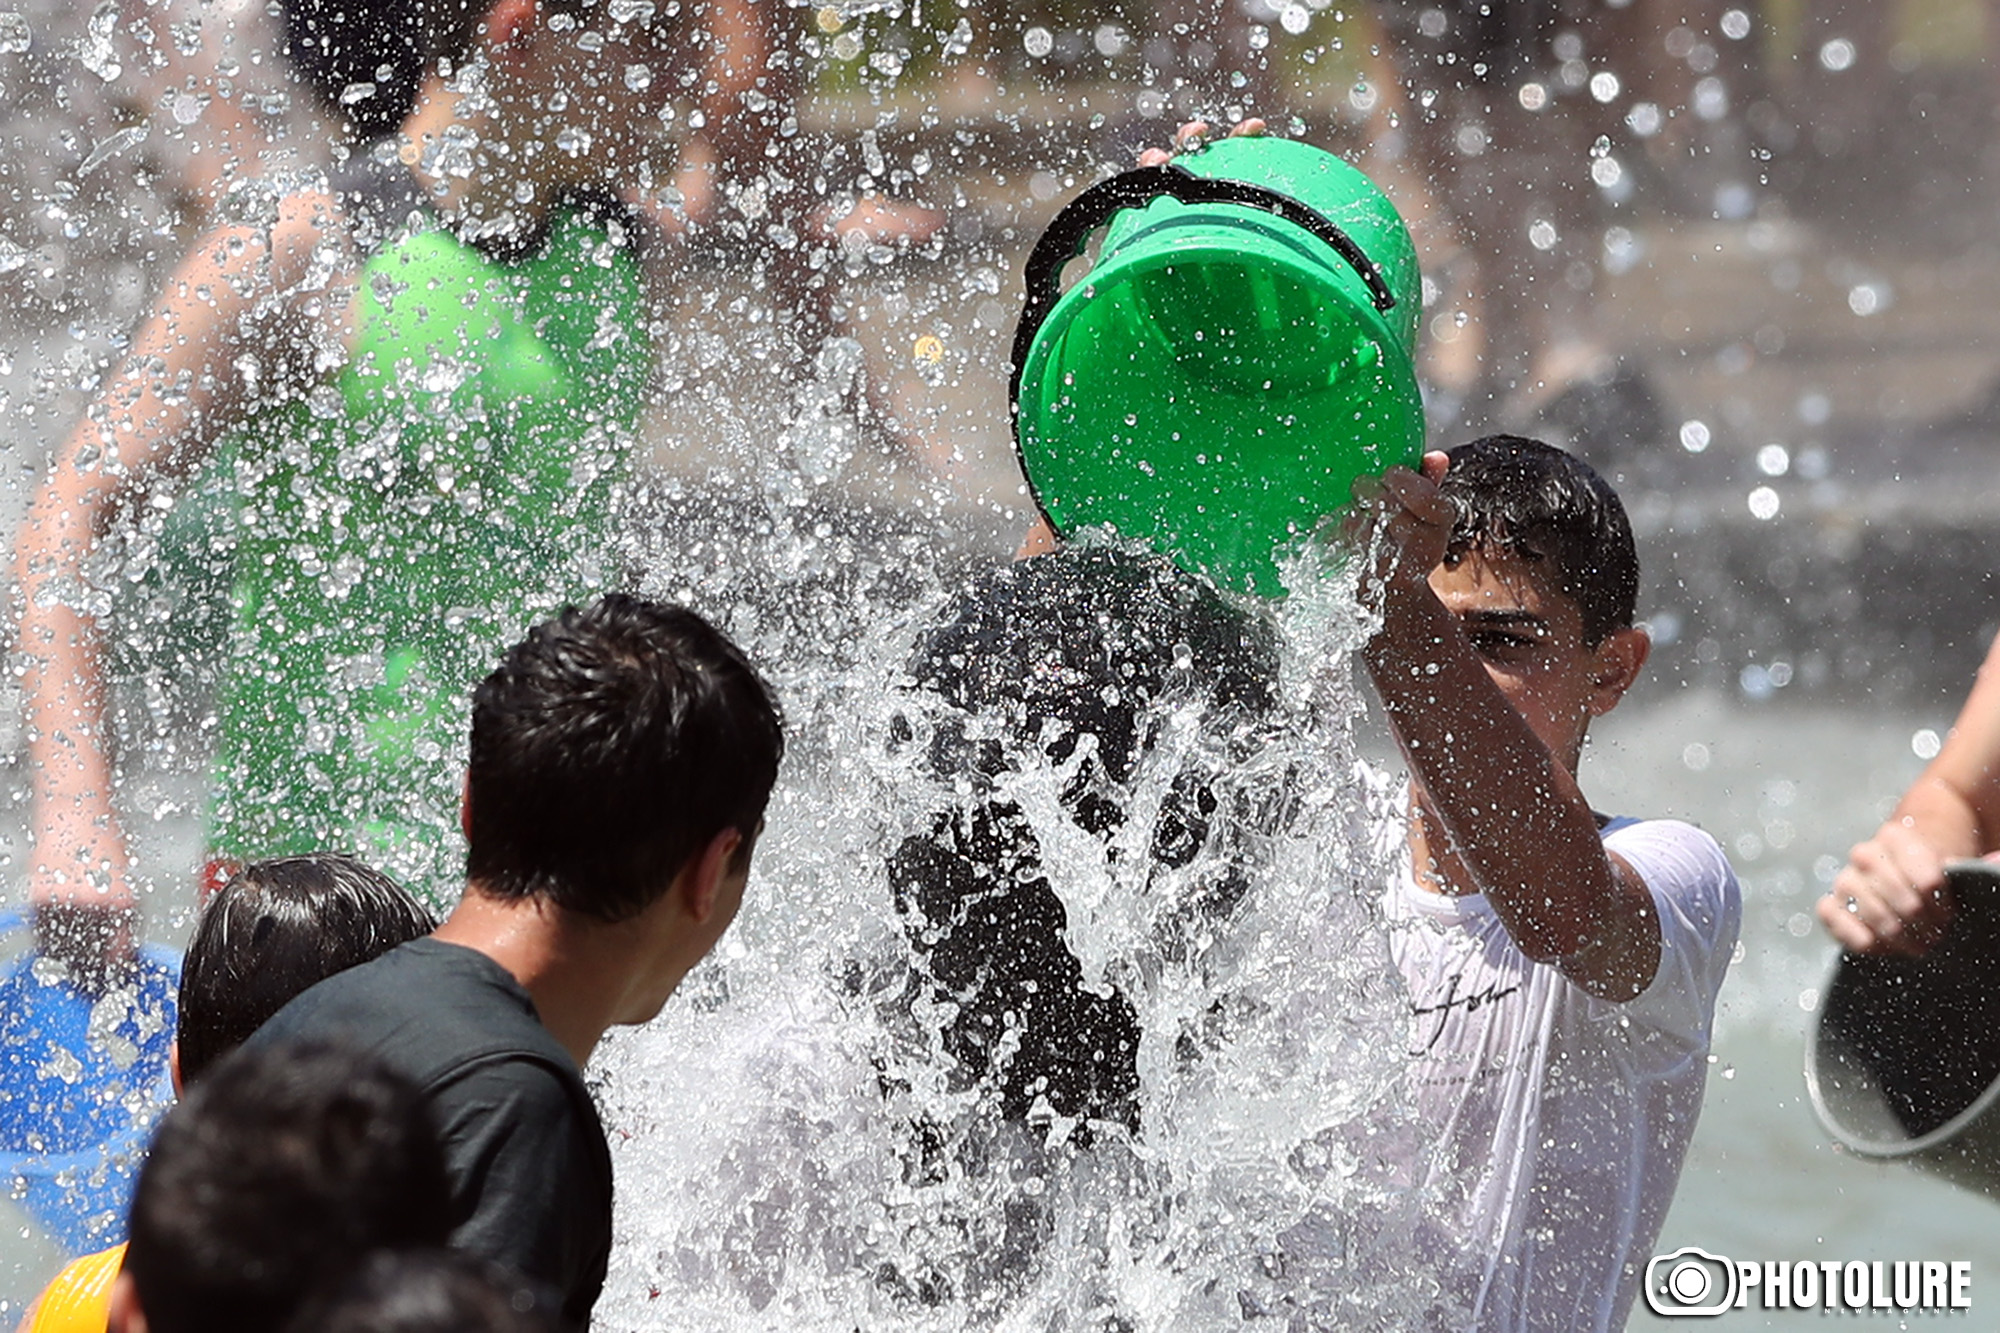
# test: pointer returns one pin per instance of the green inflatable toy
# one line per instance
(1241, 351)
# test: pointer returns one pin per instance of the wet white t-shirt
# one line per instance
(1563, 1118)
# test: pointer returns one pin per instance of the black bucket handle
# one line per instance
(1083, 215)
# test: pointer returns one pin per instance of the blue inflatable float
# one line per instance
(82, 1081)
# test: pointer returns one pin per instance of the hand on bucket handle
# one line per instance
(1891, 898)
(1405, 521)
(81, 901)
(97, 943)
(1194, 135)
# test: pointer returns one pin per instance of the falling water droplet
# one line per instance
(1837, 55)
(1868, 298)
(97, 51)
(451, 153)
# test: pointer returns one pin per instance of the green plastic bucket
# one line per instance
(1241, 351)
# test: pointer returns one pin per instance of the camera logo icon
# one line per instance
(1689, 1282)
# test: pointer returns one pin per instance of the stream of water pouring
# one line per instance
(792, 1147)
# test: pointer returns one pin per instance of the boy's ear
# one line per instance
(706, 873)
(125, 1314)
(1614, 664)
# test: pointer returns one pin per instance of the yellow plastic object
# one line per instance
(79, 1299)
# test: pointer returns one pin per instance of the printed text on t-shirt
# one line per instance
(1470, 1002)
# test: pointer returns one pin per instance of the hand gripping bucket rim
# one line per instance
(1902, 1060)
(1278, 489)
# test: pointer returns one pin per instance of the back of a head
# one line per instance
(430, 1291)
(367, 61)
(277, 928)
(276, 1173)
(1080, 643)
(1540, 504)
(607, 750)
(1083, 641)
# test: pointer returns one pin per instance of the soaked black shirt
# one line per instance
(530, 1173)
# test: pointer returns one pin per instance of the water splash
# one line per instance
(833, 1168)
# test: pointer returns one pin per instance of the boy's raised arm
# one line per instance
(184, 381)
(1511, 821)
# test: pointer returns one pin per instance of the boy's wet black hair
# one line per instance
(1079, 643)
(608, 749)
(277, 1173)
(1535, 502)
(367, 60)
(431, 1291)
(275, 929)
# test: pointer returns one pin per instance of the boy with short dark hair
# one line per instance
(277, 1173)
(1563, 965)
(276, 928)
(622, 757)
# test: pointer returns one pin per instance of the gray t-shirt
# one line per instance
(530, 1173)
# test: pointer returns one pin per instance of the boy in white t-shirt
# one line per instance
(1562, 966)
